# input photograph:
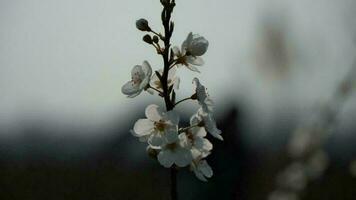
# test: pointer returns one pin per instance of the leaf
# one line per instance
(173, 97)
(170, 89)
(159, 75)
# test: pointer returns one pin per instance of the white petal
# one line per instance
(199, 132)
(199, 46)
(165, 158)
(156, 140)
(172, 116)
(205, 169)
(171, 134)
(193, 68)
(146, 68)
(195, 119)
(172, 73)
(200, 175)
(137, 71)
(210, 126)
(198, 61)
(187, 41)
(183, 157)
(130, 89)
(176, 51)
(143, 127)
(203, 144)
(154, 112)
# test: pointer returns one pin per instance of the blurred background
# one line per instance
(281, 72)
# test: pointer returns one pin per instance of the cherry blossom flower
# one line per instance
(172, 80)
(191, 51)
(159, 128)
(177, 153)
(140, 75)
(208, 122)
(195, 137)
(203, 97)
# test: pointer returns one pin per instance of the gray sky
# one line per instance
(68, 59)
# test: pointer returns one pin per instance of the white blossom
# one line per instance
(140, 76)
(191, 51)
(195, 137)
(209, 123)
(172, 80)
(201, 169)
(203, 97)
(176, 152)
(159, 128)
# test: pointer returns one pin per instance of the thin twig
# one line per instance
(188, 98)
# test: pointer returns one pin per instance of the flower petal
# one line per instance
(176, 51)
(199, 45)
(203, 144)
(210, 126)
(154, 112)
(137, 72)
(183, 157)
(171, 134)
(146, 68)
(130, 88)
(194, 60)
(165, 158)
(172, 116)
(156, 140)
(187, 41)
(143, 127)
(205, 168)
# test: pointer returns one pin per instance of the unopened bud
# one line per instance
(155, 39)
(142, 25)
(147, 38)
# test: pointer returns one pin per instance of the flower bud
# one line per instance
(165, 2)
(142, 25)
(155, 39)
(147, 38)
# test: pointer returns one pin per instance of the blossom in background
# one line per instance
(317, 164)
(203, 97)
(293, 177)
(172, 80)
(176, 152)
(283, 195)
(140, 76)
(353, 168)
(159, 128)
(192, 48)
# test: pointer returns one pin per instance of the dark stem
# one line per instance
(166, 21)
(186, 99)
(174, 194)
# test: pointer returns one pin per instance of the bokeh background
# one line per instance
(273, 67)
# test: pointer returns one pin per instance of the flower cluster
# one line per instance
(173, 145)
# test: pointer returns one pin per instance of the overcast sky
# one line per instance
(68, 59)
